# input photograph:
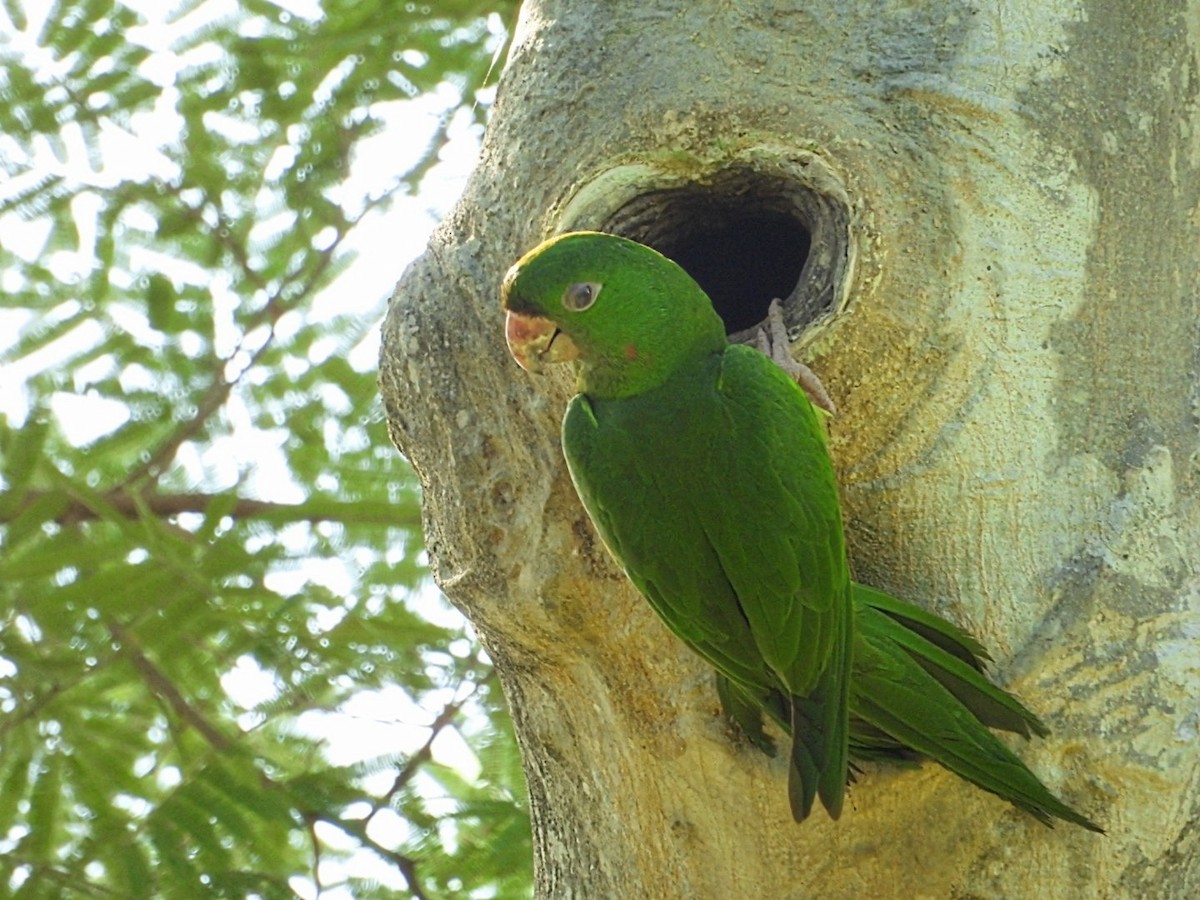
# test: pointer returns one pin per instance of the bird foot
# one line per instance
(743, 715)
(770, 337)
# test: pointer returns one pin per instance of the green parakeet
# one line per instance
(704, 468)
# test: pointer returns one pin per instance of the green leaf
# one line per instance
(45, 809)
(160, 303)
(23, 451)
(15, 786)
(185, 296)
(25, 520)
(16, 14)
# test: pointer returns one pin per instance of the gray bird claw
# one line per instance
(770, 337)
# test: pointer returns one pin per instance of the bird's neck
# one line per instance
(640, 368)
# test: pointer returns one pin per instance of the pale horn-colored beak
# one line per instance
(535, 342)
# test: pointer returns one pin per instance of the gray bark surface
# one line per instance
(1012, 346)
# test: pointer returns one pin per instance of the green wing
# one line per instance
(716, 493)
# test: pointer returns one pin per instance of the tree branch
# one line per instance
(423, 754)
(165, 505)
(70, 881)
(358, 831)
(162, 685)
(276, 305)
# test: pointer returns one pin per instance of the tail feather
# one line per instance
(811, 771)
(834, 695)
(894, 692)
(807, 759)
(948, 655)
(932, 627)
(917, 689)
(820, 726)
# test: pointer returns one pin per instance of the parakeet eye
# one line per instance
(580, 295)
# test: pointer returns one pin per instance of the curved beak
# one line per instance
(535, 342)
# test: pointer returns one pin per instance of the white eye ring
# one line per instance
(580, 295)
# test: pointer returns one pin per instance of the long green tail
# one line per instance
(918, 689)
(918, 682)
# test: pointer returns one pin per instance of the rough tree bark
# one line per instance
(988, 214)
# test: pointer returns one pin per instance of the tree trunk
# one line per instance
(985, 222)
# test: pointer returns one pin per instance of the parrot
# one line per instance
(705, 470)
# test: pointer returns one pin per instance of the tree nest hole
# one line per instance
(747, 237)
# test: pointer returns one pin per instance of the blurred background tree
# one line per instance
(223, 670)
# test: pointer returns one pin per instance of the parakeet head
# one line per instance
(628, 314)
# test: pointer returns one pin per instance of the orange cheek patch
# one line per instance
(631, 352)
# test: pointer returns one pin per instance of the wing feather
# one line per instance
(716, 493)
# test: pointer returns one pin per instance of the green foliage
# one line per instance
(209, 551)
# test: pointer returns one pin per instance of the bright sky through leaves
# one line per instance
(218, 641)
